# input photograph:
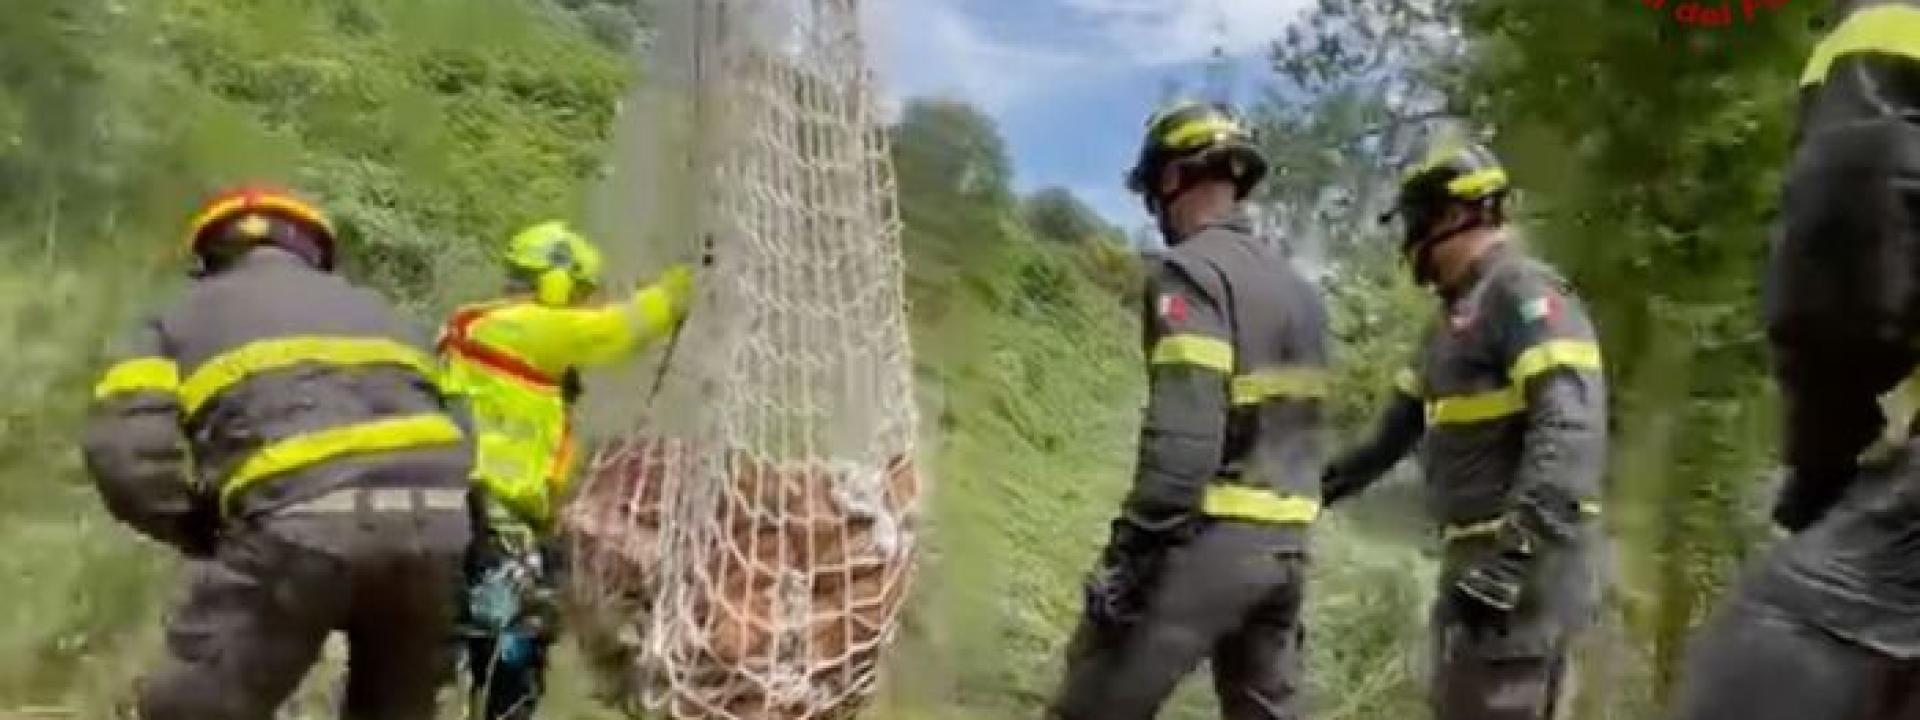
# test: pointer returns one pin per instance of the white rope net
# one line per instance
(744, 552)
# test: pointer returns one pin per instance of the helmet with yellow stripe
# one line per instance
(1453, 173)
(239, 219)
(560, 264)
(1204, 140)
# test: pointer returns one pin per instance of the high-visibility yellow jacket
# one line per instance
(507, 359)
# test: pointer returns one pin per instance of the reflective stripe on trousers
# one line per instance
(1492, 526)
(349, 500)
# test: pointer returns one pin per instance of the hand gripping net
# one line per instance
(745, 555)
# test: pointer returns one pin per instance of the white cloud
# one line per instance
(933, 47)
(1169, 32)
(939, 47)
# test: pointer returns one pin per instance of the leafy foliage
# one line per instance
(1055, 214)
(430, 128)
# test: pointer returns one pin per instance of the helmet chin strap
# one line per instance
(1424, 272)
(1161, 205)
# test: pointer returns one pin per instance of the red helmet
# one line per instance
(262, 214)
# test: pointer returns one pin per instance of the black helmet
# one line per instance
(1198, 135)
(1454, 171)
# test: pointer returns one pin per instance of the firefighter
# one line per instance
(515, 362)
(1508, 396)
(1207, 557)
(282, 429)
(1824, 626)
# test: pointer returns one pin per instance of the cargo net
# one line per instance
(744, 550)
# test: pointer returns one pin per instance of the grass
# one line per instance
(1029, 370)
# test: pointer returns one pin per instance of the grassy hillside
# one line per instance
(427, 126)
(432, 127)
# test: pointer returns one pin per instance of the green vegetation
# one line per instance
(1648, 151)
(429, 127)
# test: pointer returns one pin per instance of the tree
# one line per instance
(1358, 83)
(1056, 214)
(955, 197)
(948, 146)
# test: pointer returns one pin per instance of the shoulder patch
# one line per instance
(1541, 308)
(1173, 308)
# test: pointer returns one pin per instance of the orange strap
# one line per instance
(457, 340)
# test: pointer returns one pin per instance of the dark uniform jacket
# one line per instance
(1843, 315)
(1236, 349)
(1843, 286)
(1509, 397)
(266, 385)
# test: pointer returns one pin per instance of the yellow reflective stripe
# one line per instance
(1239, 502)
(1467, 530)
(234, 366)
(1889, 29)
(1281, 382)
(312, 448)
(1512, 400)
(147, 374)
(1488, 405)
(1200, 131)
(1406, 382)
(1580, 354)
(1479, 183)
(1450, 533)
(1207, 352)
(1898, 408)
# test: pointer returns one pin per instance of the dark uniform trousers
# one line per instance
(1755, 662)
(379, 562)
(1509, 667)
(1826, 626)
(1233, 595)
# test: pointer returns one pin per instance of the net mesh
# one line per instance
(743, 550)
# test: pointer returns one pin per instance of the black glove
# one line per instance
(1336, 485)
(1116, 590)
(1806, 496)
(199, 536)
(1494, 584)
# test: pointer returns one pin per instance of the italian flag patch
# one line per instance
(1173, 308)
(1541, 308)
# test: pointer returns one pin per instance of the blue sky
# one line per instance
(1071, 81)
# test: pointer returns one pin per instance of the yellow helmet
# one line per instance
(562, 264)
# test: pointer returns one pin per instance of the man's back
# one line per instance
(270, 353)
(1277, 325)
(326, 467)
